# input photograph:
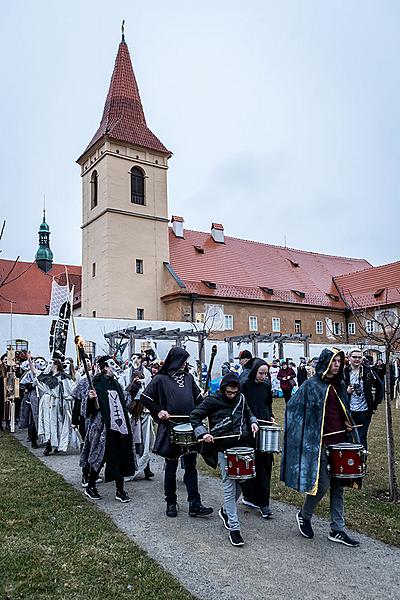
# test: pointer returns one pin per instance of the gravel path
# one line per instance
(276, 561)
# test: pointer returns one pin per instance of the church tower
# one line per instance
(44, 256)
(125, 207)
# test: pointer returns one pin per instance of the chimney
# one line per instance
(217, 233)
(177, 226)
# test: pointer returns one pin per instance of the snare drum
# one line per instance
(347, 461)
(183, 435)
(240, 463)
(269, 438)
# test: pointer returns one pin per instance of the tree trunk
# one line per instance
(394, 493)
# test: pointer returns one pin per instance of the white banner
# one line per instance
(59, 295)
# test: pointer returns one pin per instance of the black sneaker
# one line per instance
(200, 511)
(122, 496)
(342, 538)
(224, 517)
(85, 481)
(235, 538)
(304, 526)
(266, 512)
(92, 493)
(172, 510)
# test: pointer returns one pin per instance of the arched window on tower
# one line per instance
(137, 186)
(94, 189)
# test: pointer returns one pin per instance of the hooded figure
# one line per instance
(228, 414)
(319, 407)
(174, 392)
(258, 394)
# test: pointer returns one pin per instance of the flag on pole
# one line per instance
(59, 295)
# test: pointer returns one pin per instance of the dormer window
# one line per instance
(210, 284)
(137, 186)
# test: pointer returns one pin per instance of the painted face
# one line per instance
(355, 359)
(40, 364)
(115, 369)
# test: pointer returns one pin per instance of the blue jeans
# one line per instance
(232, 492)
(325, 482)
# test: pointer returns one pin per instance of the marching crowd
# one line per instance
(117, 416)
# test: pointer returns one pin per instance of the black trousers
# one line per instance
(190, 478)
(257, 489)
(93, 475)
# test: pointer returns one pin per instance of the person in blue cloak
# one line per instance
(319, 407)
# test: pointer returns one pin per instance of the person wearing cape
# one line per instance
(109, 437)
(319, 407)
(174, 392)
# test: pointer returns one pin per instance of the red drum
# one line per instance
(241, 463)
(347, 461)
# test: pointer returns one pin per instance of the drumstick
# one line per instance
(341, 431)
(179, 416)
(222, 437)
(262, 421)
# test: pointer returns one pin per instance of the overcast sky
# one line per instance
(283, 117)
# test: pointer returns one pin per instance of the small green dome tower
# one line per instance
(44, 256)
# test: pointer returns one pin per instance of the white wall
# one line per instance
(35, 329)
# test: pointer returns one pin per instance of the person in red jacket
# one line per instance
(287, 378)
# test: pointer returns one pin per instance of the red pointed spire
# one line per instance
(123, 117)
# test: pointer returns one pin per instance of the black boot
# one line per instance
(47, 450)
(148, 473)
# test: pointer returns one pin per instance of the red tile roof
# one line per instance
(30, 288)
(240, 268)
(377, 286)
(123, 116)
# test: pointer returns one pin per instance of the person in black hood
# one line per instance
(258, 394)
(174, 392)
(318, 409)
(228, 414)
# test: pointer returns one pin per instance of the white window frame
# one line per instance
(228, 322)
(253, 323)
(351, 328)
(369, 326)
(200, 317)
(319, 327)
(276, 324)
(297, 323)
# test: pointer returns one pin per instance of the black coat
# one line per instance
(225, 417)
(176, 397)
(258, 395)
(370, 381)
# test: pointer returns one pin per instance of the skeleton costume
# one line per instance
(108, 437)
(55, 410)
(31, 400)
(142, 428)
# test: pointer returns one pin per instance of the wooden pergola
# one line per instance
(117, 338)
(256, 338)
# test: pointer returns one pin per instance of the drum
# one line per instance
(347, 461)
(183, 435)
(269, 438)
(240, 463)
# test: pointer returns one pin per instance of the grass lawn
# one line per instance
(55, 545)
(366, 510)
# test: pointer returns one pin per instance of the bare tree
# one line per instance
(380, 325)
(205, 328)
